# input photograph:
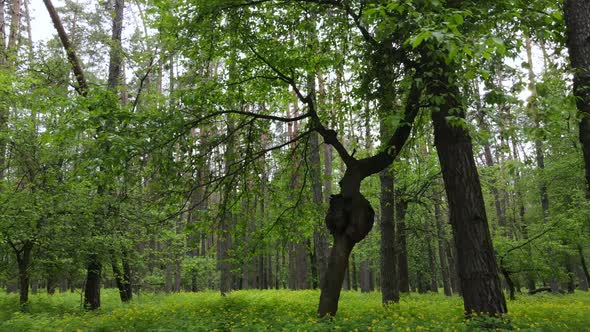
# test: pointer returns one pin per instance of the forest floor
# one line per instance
(283, 310)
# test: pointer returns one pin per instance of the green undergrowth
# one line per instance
(284, 310)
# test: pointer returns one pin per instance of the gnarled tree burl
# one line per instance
(350, 216)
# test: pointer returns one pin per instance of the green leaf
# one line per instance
(458, 19)
(420, 38)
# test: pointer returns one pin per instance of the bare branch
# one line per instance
(329, 135)
(264, 116)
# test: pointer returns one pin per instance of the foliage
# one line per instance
(283, 311)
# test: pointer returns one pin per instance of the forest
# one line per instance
(294, 165)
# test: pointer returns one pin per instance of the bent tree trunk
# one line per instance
(349, 219)
(350, 216)
(122, 278)
(478, 270)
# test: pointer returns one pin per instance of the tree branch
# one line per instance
(392, 148)
(356, 18)
(82, 88)
(329, 135)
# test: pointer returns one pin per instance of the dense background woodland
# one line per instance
(196, 145)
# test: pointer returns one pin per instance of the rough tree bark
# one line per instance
(578, 29)
(539, 151)
(583, 265)
(576, 13)
(92, 285)
(75, 63)
(23, 260)
(223, 234)
(442, 251)
(350, 216)
(15, 13)
(122, 278)
(453, 267)
(389, 278)
(402, 245)
(321, 244)
(431, 257)
(2, 32)
(478, 270)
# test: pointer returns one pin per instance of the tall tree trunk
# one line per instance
(113, 82)
(570, 264)
(509, 282)
(122, 278)
(292, 281)
(73, 59)
(402, 243)
(223, 246)
(442, 251)
(2, 32)
(50, 286)
(277, 280)
(264, 263)
(478, 270)
(453, 267)
(177, 276)
(583, 264)
(522, 226)
(353, 272)
(301, 254)
(365, 276)
(337, 264)
(127, 276)
(321, 244)
(539, 150)
(92, 286)
(389, 277)
(224, 231)
(489, 160)
(298, 268)
(346, 282)
(578, 29)
(431, 258)
(583, 284)
(23, 258)
(13, 38)
(7, 57)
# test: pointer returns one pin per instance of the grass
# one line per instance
(283, 310)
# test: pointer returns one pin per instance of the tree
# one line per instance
(578, 29)
(579, 49)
